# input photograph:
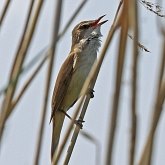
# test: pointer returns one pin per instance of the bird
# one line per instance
(73, 73)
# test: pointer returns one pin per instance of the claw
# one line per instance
(79, 123)
(91, 92)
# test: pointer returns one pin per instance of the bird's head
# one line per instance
(87, 29)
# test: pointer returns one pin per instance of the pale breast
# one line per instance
(83, 62)
(82, 68)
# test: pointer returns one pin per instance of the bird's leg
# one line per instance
(91, 92)
(77, 122)
(66, 114)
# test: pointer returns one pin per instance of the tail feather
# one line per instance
(58, 120)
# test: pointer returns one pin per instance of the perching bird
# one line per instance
(73, 73)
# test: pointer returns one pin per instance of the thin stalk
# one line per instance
(134, 86)
(54, 39)
(15, 73)
(27, 67)
(77, 129)
(4, 11)
(22, 38)
(119, 71)
(29, 81)
(160, 96)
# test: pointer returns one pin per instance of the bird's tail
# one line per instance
(58, 120)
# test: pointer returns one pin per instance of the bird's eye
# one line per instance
(85, 26)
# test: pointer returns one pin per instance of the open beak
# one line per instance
(97, 22)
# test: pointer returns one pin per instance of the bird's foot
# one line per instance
(91, 92)
(76, 122)
(79, 123)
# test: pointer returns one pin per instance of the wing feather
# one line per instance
(62, 83)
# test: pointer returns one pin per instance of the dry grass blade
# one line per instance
(134, 85)
(119, 71)
(4, 11)
(54, 39)
(20, 46)
(147, 151)
(27, 83)
(153, 7)
(142, 47)
(19, 59)
(26, 68)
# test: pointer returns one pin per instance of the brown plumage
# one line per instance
(58, 96)
(73, 73)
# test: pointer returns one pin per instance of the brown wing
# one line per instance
(62, 82)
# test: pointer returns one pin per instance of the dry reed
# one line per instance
(122, 22)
